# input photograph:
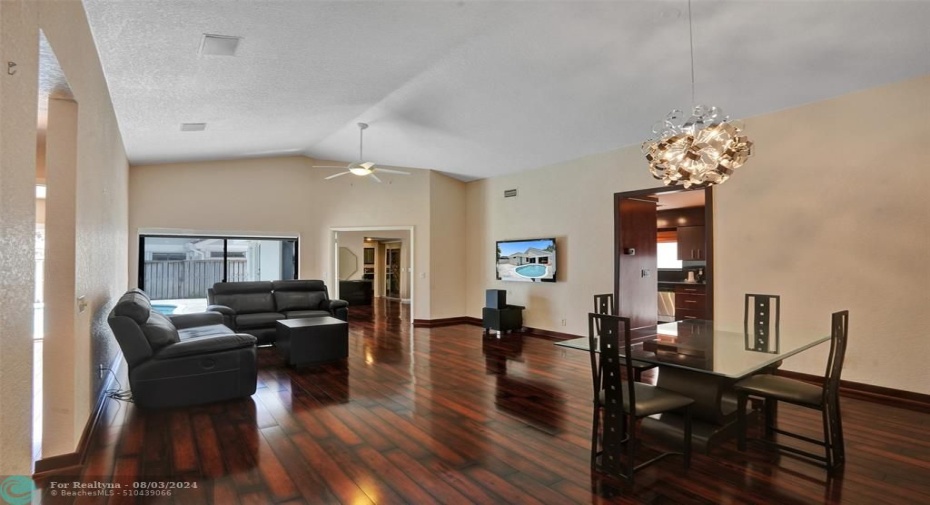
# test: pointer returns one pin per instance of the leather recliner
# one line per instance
(255, 307)
(179, 360)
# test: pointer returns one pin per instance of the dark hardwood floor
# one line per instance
(444, 415)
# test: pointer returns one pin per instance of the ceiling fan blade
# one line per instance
(367, 165)
(375, 177)
(336, 175)
(389, 171)
(329, 166)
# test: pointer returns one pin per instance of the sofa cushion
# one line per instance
(247, 303)
(159, 331)
(260, 320)
(298, 300)
(209, 347)
(213, 330)
(299, 285)
(235, 288)
(298, 314)
(134, 305)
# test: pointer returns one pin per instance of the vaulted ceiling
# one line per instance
(477, 88)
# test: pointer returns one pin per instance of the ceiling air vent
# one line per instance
(509, 193)
(193, 127)
(219, 45)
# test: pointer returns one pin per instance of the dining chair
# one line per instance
(823, 397)
(623, 402)
(604, 304)
(761, 314)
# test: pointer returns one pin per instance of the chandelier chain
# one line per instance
(691, 42)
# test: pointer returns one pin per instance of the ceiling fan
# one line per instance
(362, 168)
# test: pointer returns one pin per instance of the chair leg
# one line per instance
(839, 447)
(687, 449)
(828, 437)
(630, 447)
(595, 424)
(771, 412)
(741, 420)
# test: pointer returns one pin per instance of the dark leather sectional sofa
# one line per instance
(255, 307)
(180, 360)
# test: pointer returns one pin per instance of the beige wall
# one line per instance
(447, 246)
(830, 213)
(355, 242)
(100, 192)
(280, 195)
(570, 201)
(18, 43)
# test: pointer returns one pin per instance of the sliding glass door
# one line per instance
(178, 270)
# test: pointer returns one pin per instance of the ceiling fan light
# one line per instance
(360, 170)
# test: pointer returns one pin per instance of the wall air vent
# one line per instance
(193, 127)
(219, 45)
(509, 193)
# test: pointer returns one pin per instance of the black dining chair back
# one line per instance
(624, 400)
(823, 397)
(604, 304)
(761, 314)
(831, 393)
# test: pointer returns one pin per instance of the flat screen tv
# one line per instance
(530, 260)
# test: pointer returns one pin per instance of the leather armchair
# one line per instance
(181, 360)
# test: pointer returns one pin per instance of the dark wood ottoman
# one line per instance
(312, 340)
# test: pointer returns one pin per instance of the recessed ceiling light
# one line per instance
(193, 127)
(219, 45)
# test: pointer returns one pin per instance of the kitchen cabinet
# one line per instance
(691, 301)
(691, 243)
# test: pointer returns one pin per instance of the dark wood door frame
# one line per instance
(708, 239)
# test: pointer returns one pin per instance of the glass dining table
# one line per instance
(702, 361)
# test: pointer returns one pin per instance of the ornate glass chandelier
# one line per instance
(701, 150)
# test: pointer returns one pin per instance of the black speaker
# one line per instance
(495, 299)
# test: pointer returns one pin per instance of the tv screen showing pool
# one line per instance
(526, 260)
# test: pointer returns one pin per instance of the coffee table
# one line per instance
(312, 340)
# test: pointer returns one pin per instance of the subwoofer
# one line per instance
(495, 299)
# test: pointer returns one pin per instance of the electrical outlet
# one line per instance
(563, 322)
(101, 370)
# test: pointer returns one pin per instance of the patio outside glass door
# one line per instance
(176, 271)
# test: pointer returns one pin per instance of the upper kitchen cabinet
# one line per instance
(691, 243)
(677, 218)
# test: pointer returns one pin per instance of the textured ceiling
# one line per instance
(52, 82)
(477, 89)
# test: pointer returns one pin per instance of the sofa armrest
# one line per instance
(206, 345)
(334, 304)
(222, 309)
(229, 315)
(338, 308)
(182, 321)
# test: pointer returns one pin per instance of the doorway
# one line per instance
(387, 254)
(392, 255)
(643, 222)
